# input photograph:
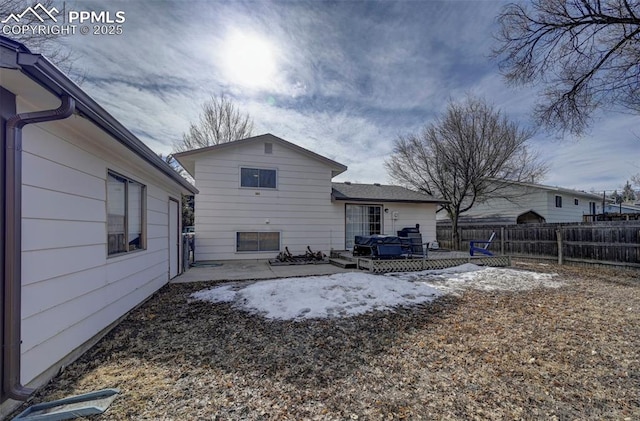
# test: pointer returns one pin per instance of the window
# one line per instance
(257, 178)
(576, 202)
(125, 214)
(558, 201)
(257, 241)
(268, 148)
(592, 208)
(362, 220)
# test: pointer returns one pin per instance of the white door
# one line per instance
(174, 238)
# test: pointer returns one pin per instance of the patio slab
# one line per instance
(240, 270)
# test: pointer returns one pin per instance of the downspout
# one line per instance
(13, 241)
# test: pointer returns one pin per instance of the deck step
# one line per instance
(343, 263)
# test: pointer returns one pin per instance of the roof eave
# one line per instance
(364, 199)
(336, 167)
(47, 74)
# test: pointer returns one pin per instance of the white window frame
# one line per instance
(347, 240)
(143, 214)
(275, 170)
(237, 233)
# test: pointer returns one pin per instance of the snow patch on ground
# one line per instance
(469, 276)
(339, 295)
(348, 294)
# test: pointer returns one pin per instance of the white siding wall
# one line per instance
(569, 212)
(540, 201)
(300, 208)
(410, 214)
(71, 289)
(520, 202)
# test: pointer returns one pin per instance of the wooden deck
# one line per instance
(434, 260)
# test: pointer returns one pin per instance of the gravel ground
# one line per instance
(566, 353)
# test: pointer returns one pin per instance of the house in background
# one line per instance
(263, 194)
(91, 223)
(531, 203)
(622, 208)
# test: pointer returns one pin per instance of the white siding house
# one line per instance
(98, 226)
(262, 195)
(622, 208)
(532, 203)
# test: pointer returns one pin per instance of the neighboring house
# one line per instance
(262, 195)
(91, 224)
(622, 208)
(531, 203)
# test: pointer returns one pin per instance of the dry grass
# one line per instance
(567, 353)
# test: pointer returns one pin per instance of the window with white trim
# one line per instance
(257, 241)
(361, 220)
(258, 178)
(125, 214)
(558, 201)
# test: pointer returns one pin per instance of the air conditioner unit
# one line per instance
(395, 215)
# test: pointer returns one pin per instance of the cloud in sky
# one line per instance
(343, 79)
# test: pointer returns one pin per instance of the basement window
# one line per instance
(257, 241)
(125, 214)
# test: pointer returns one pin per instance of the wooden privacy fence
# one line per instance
(608, 243)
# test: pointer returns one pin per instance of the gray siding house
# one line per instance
(531, 203)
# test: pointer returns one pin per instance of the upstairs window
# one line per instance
(558, 201)
(257, 178)
(576, 202)
(125, 214)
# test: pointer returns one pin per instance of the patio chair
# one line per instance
(481, 249)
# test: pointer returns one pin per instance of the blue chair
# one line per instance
(483, 249)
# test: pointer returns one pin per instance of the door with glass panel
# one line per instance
(362, 220)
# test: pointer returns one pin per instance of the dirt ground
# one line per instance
(564, 353)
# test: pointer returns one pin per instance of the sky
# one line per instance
(352, 293)
(341, 78)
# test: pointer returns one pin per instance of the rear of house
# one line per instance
(380, 209)
(263, 195)
(260, 195)
(98, 228)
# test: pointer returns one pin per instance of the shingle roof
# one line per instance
(378, 192)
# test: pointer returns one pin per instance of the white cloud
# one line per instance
(346, 78)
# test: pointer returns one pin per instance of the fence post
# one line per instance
(559, 238)
(502, 241)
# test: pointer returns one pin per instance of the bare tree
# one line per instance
(584, 53)
(464, 156)
(47, 44)
(219, 122)
(628, 194)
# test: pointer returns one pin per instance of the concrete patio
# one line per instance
(240, 270)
